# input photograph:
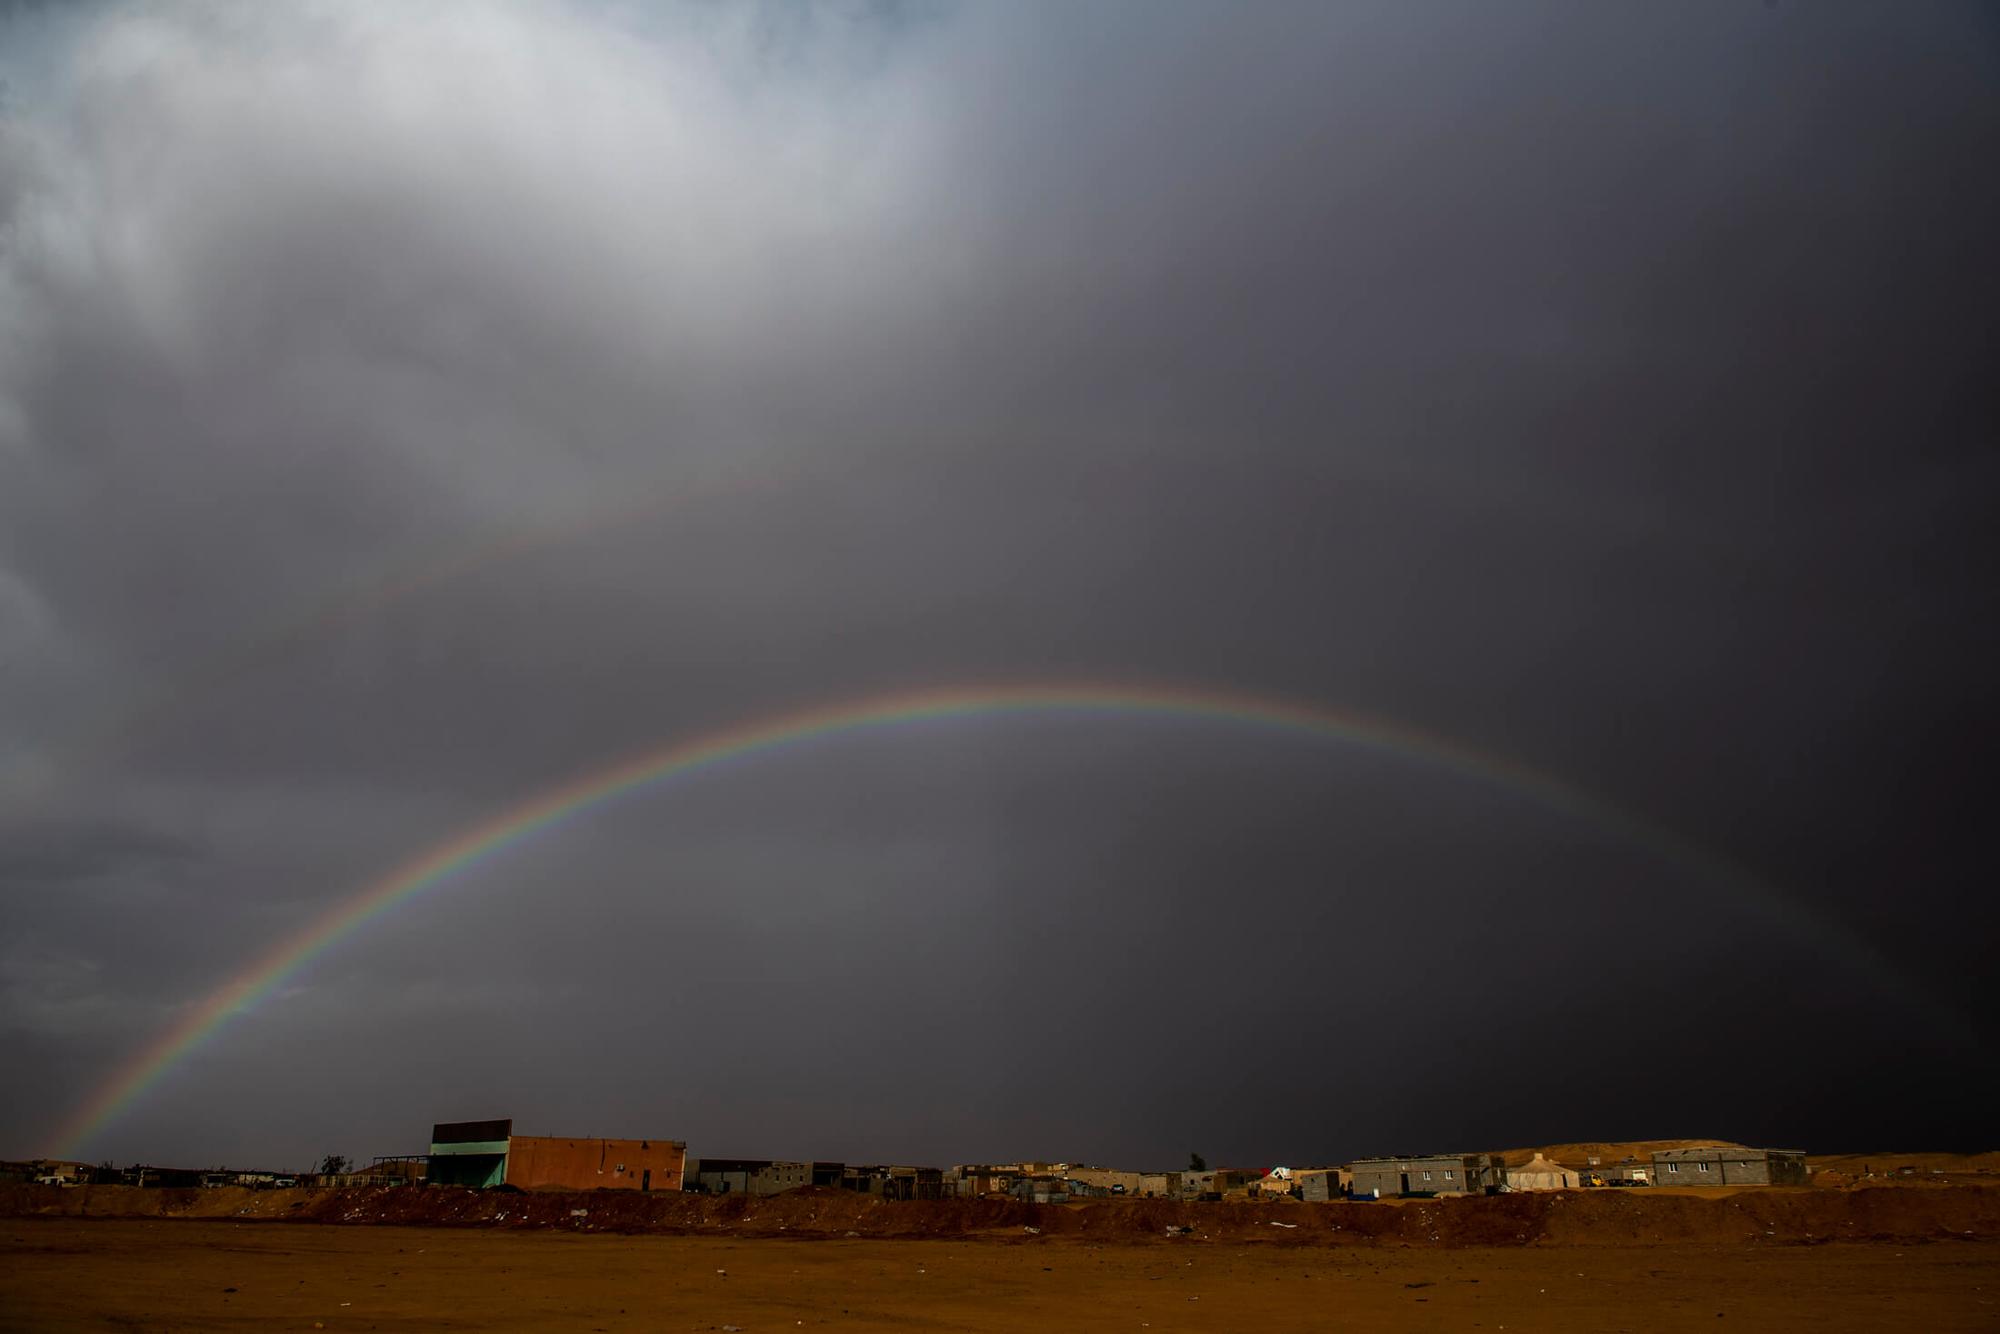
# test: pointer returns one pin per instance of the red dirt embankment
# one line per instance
(1559, 1218)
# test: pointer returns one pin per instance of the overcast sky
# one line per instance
(407, 409)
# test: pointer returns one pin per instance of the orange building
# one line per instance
(489, 1153)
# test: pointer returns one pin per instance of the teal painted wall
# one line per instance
(478, 1170)
(469, 1146)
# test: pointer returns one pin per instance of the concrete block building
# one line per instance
(1110, 1179)
(1430, 1174)
(1714, 1166)
(759, 1176)
(1320, 1184)
(1192, 1185)
(489, 1153)
(1233, 1180)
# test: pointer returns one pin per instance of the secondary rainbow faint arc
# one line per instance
(548, 808)
(354, 602)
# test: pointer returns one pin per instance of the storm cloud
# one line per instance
(404, 412)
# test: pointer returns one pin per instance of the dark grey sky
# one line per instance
(403, 413)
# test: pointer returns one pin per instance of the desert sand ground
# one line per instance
(59, 1273)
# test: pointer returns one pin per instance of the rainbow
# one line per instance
(550, 808)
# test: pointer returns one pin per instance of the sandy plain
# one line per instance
(65, 1273)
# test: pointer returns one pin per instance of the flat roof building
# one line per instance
(489, 1153)
(1429, 1174)
(759, 1176)
(1712, 1165)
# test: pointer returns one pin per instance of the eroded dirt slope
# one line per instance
(1598, 1217)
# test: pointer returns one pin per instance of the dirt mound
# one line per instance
(1612, 1218)
(1609, 1151)
(1847, 1169)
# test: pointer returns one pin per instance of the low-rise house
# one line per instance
(1193, 1185)
(1233, 1180)
(895, 1183)
(1712, 1165)
(749, 1176)
(1318, 1185)
(170, 1178)
(1429, 1174)
(1113, 1180)
(1273, 1184)
(1051, 1189)
(979, 1179)
(1039, 1189)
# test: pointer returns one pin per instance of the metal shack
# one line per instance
(1045, 1189)
(978, 1179)
(1713, 1165)
(1429, 1174)
(894, 1183)
(489, 1153)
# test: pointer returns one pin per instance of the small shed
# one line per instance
(1538, 1173)
(1319, 1184)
